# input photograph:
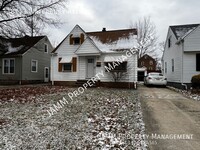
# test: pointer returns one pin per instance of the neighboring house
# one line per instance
(146, 64)
(25, 60)
(181, 57)
(80, 56)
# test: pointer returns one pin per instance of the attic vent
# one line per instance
(104, 30)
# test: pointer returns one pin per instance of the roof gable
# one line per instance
(76, 26)
(17, 46)
(83, 49)
(181, 31)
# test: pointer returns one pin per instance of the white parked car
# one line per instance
(155, 78)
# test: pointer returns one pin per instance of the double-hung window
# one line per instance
(8, 66)
(34, 66)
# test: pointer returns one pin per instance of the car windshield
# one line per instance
(155, 74)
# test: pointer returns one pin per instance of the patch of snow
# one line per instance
(13, 49)
(121, 44)
(106, 119)
(186, 93)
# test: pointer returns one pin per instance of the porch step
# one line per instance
(81, 82)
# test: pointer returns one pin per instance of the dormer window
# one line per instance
(76, 41)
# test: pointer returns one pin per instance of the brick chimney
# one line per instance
(104, 30)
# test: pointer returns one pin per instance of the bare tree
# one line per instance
(146, 38)
(120, 72)
(118, 75)
(27, 17)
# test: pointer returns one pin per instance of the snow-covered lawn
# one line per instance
(100, 118)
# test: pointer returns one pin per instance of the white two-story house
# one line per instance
(181, 57)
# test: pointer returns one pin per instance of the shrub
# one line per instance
(196, 81)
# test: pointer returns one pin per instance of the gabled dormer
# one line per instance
(71, 42)
(76, 39)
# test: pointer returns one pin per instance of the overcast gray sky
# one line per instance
(117, 14)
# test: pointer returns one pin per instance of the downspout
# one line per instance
(185, 85)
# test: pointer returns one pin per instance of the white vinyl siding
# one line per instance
(62, 76)
(192, 41)
(131, 69)
(65, 48)
(191, 48)
(174, 53)
(88, 48)
(189, 68)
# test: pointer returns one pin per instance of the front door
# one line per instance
(46, 74)
(90, 67)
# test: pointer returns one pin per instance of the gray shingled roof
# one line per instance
(181, 31)
(17, 46)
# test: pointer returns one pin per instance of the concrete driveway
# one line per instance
(172, 120)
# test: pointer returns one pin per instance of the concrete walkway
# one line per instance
(172, 120)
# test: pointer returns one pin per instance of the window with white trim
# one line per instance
(8, 66)
(34, 66)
